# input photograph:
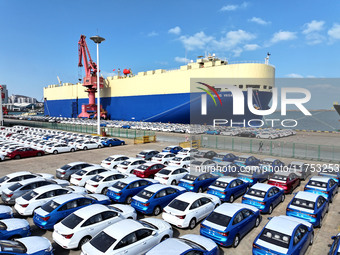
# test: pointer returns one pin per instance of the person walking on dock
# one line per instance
(260, 146)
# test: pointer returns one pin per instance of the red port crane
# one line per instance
(2, 94)
(90, 81)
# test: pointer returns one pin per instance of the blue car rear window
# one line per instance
(303, 203)
(190, 177)
(276, 238)
(256, 193)
(219, 219)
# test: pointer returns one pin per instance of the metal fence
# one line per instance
(273, 148)
(110, 131)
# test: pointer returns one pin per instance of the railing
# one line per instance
(278, 148)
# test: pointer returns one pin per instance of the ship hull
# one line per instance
(337, 108)
(173, 108)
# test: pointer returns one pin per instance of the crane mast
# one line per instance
(90, 81)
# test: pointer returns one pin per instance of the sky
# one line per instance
(39, 38)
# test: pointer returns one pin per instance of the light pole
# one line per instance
(1, 113)
(97, 39)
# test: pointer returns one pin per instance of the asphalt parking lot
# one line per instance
(49, 163)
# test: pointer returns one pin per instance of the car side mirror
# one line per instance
(154, 233)
(269, 218)
(333, 237)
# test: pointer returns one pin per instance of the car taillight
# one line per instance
(223, 233)
(118, 194)
(78, 179)
(255, 246)
(45, 218)
(312, 215)
(95, 185)
(289, 210)
(180, 216)
(326, 192)
(62, 172)
(25, 205)
(178, 163)
(262, 203)
(165, 178)
(68, 236)
(145, 204)
(9, 195)
(125, 168)
(108, 163)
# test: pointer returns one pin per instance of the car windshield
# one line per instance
(317, 184)
(15, 187)
(119, 185)
(3, 226)
(177, 159)
(2, 179)
(294, 166)
(109, 159)
(50, 206)
(178, 205)
(219, 219)
(276, 238)
(97, 178)
(143, 153)
(147, 224)
(303, 203)
(65, 167)
(12, 246)
(81, 172)
(72, 221)
(159, 156)
(192, 244)
(168, 148)
(220, 184)
(165, 171)
(142, 167)
(279, 177)
(145, 194)
(126, 163)
(267, 162)
(242, 159)
(256, 193)
(190, 177)
(29, 195)
(196, 162)
(102, 241)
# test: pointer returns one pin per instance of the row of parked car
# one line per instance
(265, 133)
(20, 142)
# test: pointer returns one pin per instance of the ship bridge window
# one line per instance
(253, 86)
(217, 89)
(265, 86)
(270, 87)
(240, 86)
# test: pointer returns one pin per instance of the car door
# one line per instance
(332, 185)
(145, 241)
(207, 206)
(196, 210)
(93, 225)
(66, 209)
(248, 221)
(126, 245)
(270, 197)
(321, 205)
(237, 224)
(277, 197)
(299, 240)
(160, 198)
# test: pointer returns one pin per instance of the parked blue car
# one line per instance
(6, 212)
(229, 157)
(228, 188)
(225, 168)
(212, 132)
(14, 228)
(330, 172)
(113, 142)
(57, 209)
(32, 245)
(229, 223)
(284, 235)
(264, 196)
(173, 149)
(247, 160)
(324, 186)
(189, 244)
(335, 247)
(308, 206)
(123, 190)
(271, 165)
(253, 174)
(154, 198)
(197, 183)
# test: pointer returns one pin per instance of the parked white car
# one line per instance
(129, 237)
(171, 175)
(181, 161)
(82, 225)
(189, 208)
(127, 166)
(86, 145)
(112, 162)
(101, 182)
(187, 152)
(60, 148)
(163, 157)
(80, 177)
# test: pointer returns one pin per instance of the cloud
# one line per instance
(182, 60)
(196, 41)
(251, 47)
(324, 86)
(294, 75)
(334, 32)
(259, 21)
(283, 36)
(233, 39)
(233, 7)
(237, 52)
(313, 26)
(152, 34)
(315, 38)
(175, 30)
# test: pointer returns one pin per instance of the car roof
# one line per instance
(226, 178)
(171, 146)
(156, 187)
(320, 178)
(245, 156)
(117, 156)
(173, 168)
(202, 159)
(130, 179)
(285, 225)
(91, 210)
(230, 209)
(190, 196)
(297, 163)
(64, 198)
(24, 182)
(307, 196)
(262, 186)
(164, 153)
(12, 175)
(90, 168)
(269, 159)
(109, 173)
(77, 163)
(147, 150)
(122, 228)
(45, 188)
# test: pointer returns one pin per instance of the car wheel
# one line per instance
(157, 211)
(122, 143)
(17, 157)
(99, 146)
(270, 209)
(320, 224)
(39, 154)
(128, 200)
(164, 238)
(110, 144)
(84, 241)
(184, 166)
(236, 241)
(14, 237)
(331, 199)
(231, 199)
(73, 150)
(85, 148)
(55, 152)
(166, 163)
(200, 190)
(283, 198)
(258, 221)
(115, 167)
(311, 238)
(173, 182)
(192, 223)
(104, 191)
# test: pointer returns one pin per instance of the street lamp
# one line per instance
(97, 39)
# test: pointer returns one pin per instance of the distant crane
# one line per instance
(60, 83)
(90, 81)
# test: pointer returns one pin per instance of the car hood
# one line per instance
(272, 247)
(88, 249)
(41, 212)
(62, 229)
(35, 244)
(206, 242)
(99, 197)
(300, 209)
(5, 209)
(213, 225)
(13, 224)
(254, 198)
(160, 224)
